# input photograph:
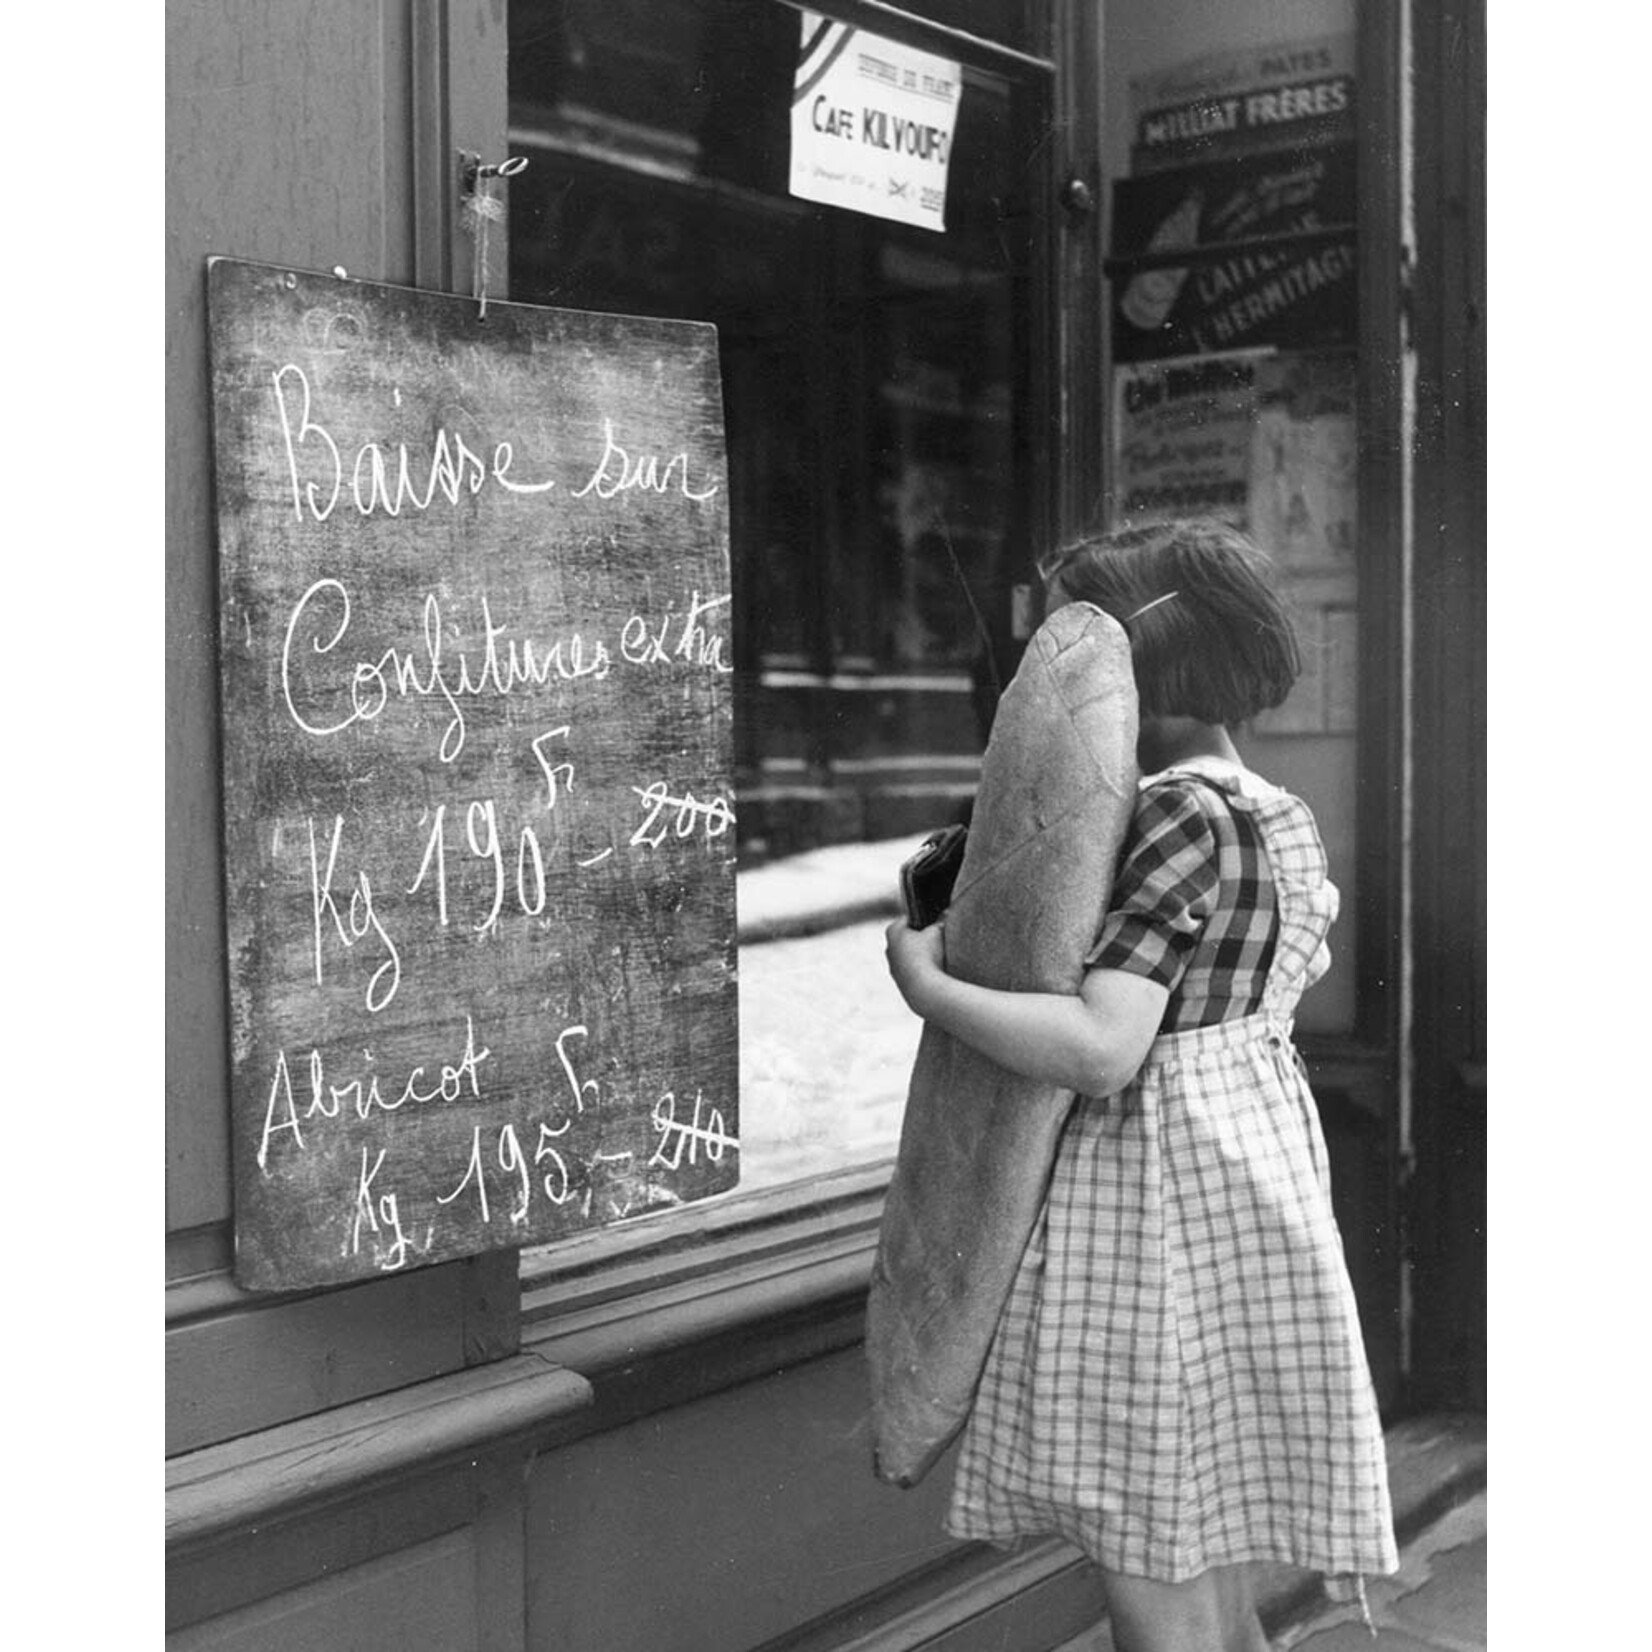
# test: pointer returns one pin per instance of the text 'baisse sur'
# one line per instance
(388, 480)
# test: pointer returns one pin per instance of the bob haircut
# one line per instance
(1221, 648)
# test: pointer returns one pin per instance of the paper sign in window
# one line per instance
(872, 124)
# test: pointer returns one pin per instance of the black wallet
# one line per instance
(927, 878)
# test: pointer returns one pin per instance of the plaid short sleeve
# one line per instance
(1166, 888)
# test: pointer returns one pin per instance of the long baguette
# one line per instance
(977, 1142)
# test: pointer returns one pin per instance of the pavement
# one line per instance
(822, 889)
(826, 1045)
(1436, 1602)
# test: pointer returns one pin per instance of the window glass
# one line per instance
(874, 419)
(1235, 377)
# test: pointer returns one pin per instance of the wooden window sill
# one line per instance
(245, 1482)
(739, 1299)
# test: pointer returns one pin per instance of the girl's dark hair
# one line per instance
(1222, 648)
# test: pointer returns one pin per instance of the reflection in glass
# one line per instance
(871, 385)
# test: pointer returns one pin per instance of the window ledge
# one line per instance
(722, 1298)
(663, 1247)
(664, 1328)
(247, 1481)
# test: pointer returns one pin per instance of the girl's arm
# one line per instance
(1091, 1041)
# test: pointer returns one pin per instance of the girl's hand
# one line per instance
(914, 956)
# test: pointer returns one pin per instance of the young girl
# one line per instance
(1177, 1383)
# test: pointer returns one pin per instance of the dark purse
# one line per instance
(927, 878)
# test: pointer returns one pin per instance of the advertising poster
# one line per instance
(1298, 296)
(1230, 104)
(1265, 441)
(1261, 439)
(872, 124)
(1184, 437)
(1302, 491)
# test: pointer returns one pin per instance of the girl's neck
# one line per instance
(1166, 741)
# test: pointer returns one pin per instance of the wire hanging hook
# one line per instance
(481, 207)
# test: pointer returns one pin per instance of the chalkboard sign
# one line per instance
(479, 820)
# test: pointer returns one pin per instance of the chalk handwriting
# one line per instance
(713, 817)
(387, 1208)
(435, 860)
(618, 471)
(526, 879)
(379, 481)
(516, 873)
(578, 1089)
(503, 1179)
(506, 665)
(528, 858)
(513, 1163)
(322, 617)
(363, 1095)
(362, 918)
(370, 682)
(556, 1183)
(678, 1139)
(473, 1173)
(483, 813)
(557, 775)
(643, 644)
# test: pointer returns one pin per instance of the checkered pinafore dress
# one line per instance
(1177, 1380)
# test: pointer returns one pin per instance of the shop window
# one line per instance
(877, 419)
(1235, 374)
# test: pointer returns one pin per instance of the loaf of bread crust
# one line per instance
(977, 1143)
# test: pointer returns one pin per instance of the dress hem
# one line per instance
(1278, 1554)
